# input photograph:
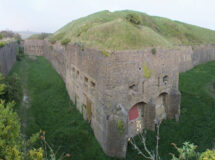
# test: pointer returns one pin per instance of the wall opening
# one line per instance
(136, 119)
(161, 106)
(165, 79)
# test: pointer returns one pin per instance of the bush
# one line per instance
(1, 36)
(134, 18)
(2, 44)
(154, 51)
(209, 155)
(65, 41)
(186, 152)
(13, 88)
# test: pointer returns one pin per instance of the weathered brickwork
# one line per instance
(125, 92)
(8, 57)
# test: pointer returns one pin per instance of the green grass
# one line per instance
(52, 111)
(117, 31)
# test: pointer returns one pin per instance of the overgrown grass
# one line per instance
(126, 30)
(51, 110)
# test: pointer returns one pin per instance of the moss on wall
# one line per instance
(120, 127)
(147, 71)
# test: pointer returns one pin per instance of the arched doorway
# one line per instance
(136, 119)
(161, 106)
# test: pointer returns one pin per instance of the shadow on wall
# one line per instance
(8, 57)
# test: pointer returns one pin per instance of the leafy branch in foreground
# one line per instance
(152, 155)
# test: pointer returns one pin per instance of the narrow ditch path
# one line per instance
(25, 103)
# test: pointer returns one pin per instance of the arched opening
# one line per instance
(161, 106)
(135, 119)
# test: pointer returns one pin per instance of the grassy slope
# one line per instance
(51, 110)
(64, 125)
(111, 30)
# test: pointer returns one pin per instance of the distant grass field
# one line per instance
(127, 30)
(51, 110)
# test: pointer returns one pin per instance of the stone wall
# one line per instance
(8, 57)
(109, 90)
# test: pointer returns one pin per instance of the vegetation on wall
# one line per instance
(120, 127)
(65, 41)
(2, 44)
(40, 36)
(1, 36)
(106, 53)
(147, 71)
(154, 51)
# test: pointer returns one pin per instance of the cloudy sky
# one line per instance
(50, 15)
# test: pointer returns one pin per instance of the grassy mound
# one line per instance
(124, 30)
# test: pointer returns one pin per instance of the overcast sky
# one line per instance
(50, 15)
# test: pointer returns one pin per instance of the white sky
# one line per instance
(50, 15)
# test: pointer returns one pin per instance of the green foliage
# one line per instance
(12, 88)
(154, 51)
(186, 152)
(134, 18)
(10, 139)
(20, 54)
(1, 36)
(147, 72)
(120, 127)
(208, 155)
(106, 53)
(2, 44)
(65, 41)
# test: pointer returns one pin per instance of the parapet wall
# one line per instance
(8, 57)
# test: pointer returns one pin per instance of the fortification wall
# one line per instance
(105, 89)
(8, 57)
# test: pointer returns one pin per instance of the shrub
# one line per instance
(1, 36)
(209, 154)
(134, 18)
(154, 51)
(52, 40)
(186, 152)
(65, 41)
(13, 88)
(2, 44)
